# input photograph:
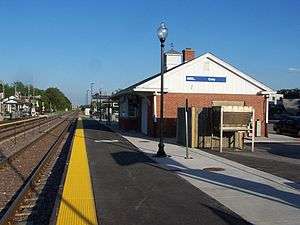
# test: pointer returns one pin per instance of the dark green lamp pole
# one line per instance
(162, 33)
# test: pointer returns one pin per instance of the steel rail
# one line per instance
(20, 128)
(9, 124)
(53, 217)
(31, 180)
(54, 213)
(14, 155)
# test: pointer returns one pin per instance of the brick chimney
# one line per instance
(188, 54)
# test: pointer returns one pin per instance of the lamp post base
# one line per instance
(161, 151)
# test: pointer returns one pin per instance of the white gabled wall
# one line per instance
(175, 80)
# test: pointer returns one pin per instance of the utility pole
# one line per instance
(33, 100)
(92, 87)
(100, 105)
(3, 95)
(33, 93)
(108, 113)
(28, 91)
(87, 97)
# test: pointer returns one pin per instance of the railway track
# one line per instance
(11, 145)
(34, 199)
(12, 129)
(14, 154)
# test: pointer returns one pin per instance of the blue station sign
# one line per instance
(205, 79)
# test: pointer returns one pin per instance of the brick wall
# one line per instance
(188, 54)
(128, 123)
(173, 100)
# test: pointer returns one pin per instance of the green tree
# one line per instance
(51, 95)
(57, 99)
(21, 88)
(290, 93)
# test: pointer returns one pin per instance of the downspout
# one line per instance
(154, 115)
(154, 108)
(267, 115)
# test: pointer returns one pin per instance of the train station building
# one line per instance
(202, 80)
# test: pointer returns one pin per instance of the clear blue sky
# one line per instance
(113, 43)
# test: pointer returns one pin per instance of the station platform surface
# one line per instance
(131, 188)
(77, 205)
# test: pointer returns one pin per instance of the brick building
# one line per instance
(201, 80)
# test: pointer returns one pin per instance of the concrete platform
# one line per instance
(131, 188)
(275, 138)
(257, 196)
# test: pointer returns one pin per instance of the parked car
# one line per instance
(289, 124)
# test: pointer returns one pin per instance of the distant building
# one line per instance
(201, 80)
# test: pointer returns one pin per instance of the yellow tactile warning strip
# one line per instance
(77, 204)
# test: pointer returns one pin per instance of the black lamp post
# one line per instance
(162, 33)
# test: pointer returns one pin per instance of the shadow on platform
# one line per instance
(127, 158)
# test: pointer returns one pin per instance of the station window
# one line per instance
(132, 106)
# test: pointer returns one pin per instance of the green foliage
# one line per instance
(51, 96)
(57, 99)
(290, 93)
(9, 89)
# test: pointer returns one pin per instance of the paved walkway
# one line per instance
(273, 158)
(132, 189)
(275, 138)
(259, 197)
